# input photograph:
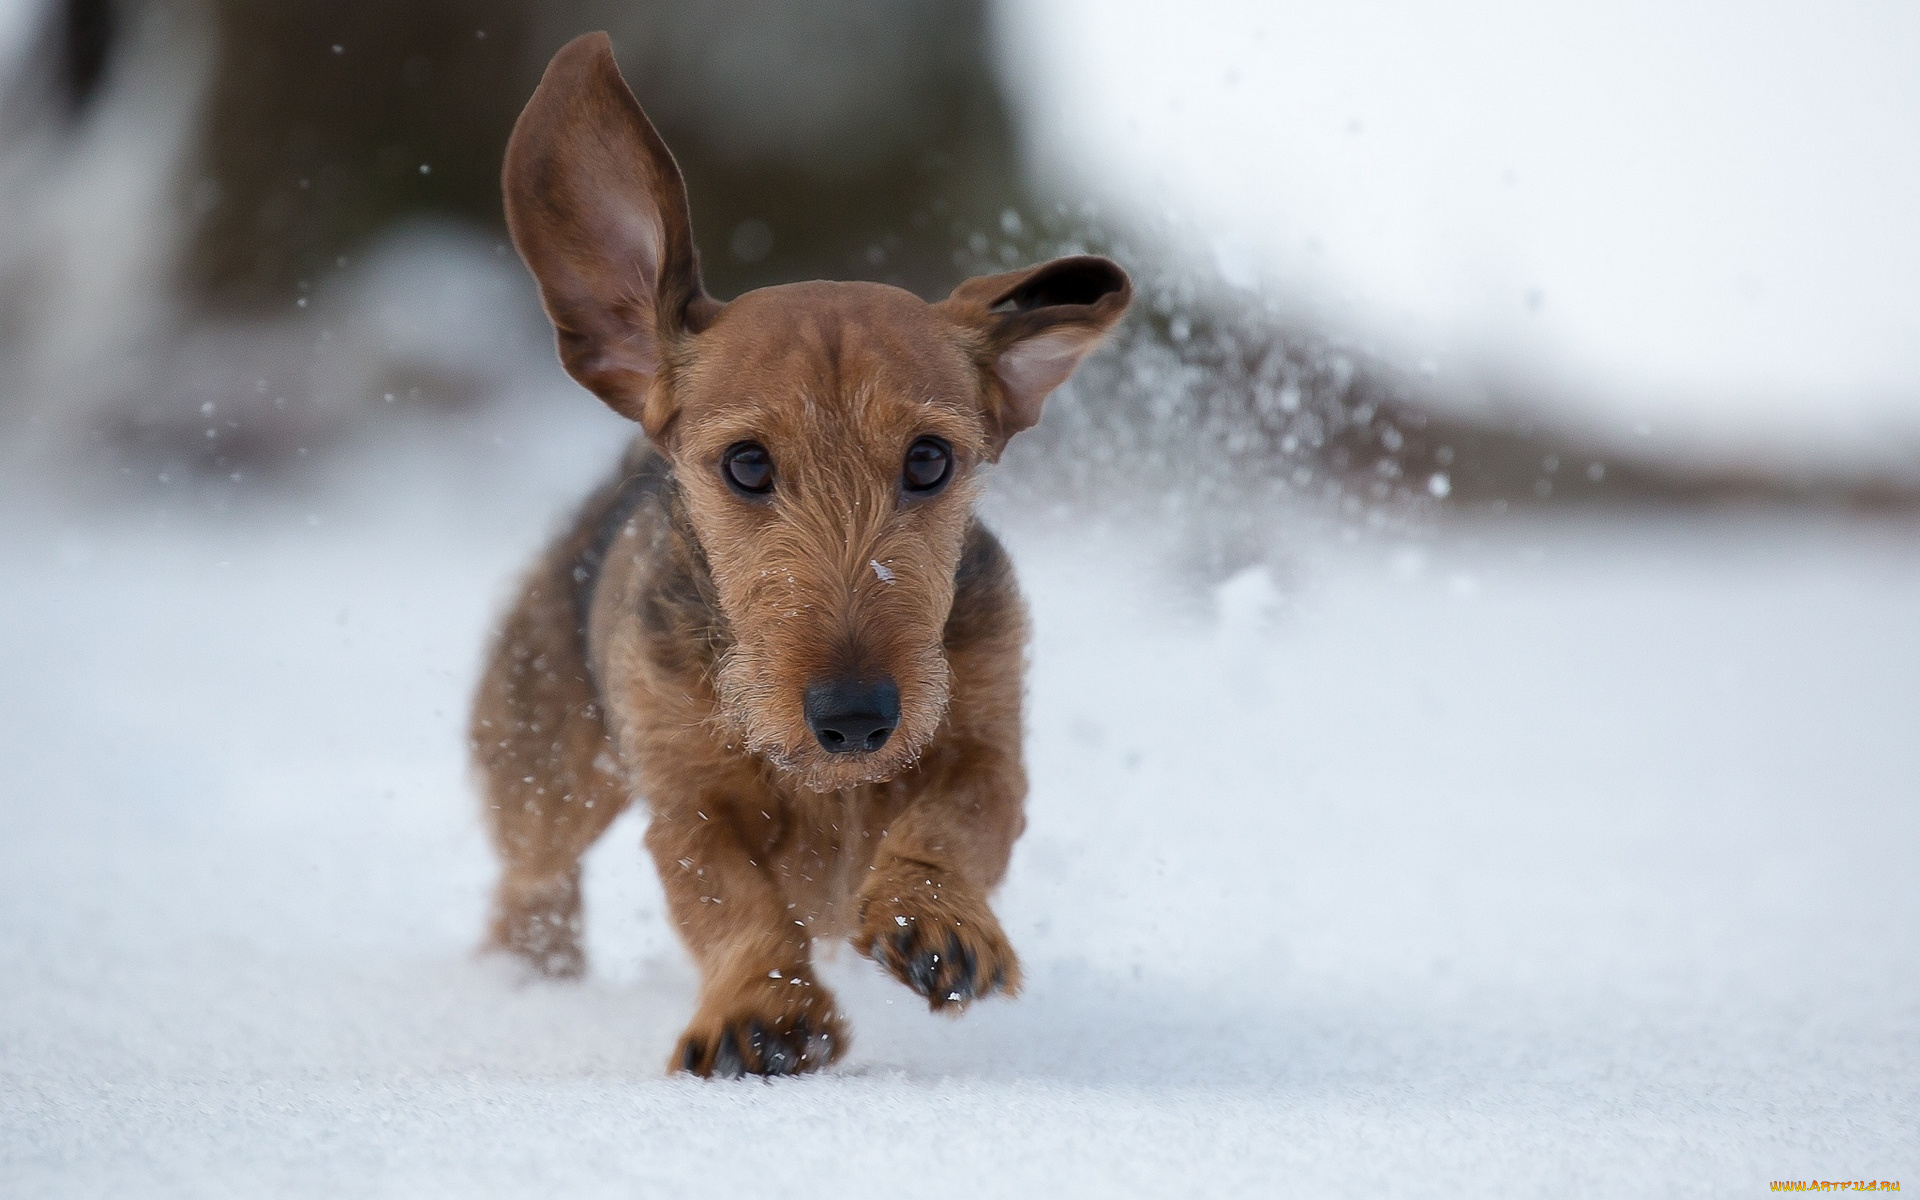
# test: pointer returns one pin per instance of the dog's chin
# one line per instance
(818, 771)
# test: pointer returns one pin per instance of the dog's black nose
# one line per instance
(852, 715)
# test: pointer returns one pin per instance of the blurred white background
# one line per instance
(1699, 215)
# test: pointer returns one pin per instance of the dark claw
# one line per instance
(946, 976)
(961, 959)
(690, 1060)
(774, 1055)
(727, 1063)
(814, 1047)
(922, 972)
(779, 1059)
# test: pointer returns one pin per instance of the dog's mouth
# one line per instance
(816, 771)
(820, 773)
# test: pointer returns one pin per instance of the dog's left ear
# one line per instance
(1033, 327)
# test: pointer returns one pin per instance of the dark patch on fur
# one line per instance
(645, 475)
(985, 596)
(680, 609)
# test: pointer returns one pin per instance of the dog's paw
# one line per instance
(784, 1028)
(532, 963)
(540, 928)
(938, 940)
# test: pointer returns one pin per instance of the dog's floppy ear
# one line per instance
(1033, 327)
(598, 211)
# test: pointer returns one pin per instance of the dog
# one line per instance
(781, 623)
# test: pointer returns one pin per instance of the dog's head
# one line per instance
(825, 436)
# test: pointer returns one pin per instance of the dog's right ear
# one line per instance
(598, 211)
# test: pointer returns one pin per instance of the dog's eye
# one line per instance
(748, 468)
(929, 462)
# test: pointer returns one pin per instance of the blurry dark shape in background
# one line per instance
(862, 139)
(247, 229)
(67, 62)
(817, 140)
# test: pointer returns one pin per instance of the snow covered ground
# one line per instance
(1543, 859)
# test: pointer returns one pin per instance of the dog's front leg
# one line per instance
(923, 911)
(761, 1010)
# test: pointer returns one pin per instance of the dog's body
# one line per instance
(568, 728)
(781, 623)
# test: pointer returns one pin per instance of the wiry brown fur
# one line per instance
(663, 645)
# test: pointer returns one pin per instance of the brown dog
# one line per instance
(781, 623)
